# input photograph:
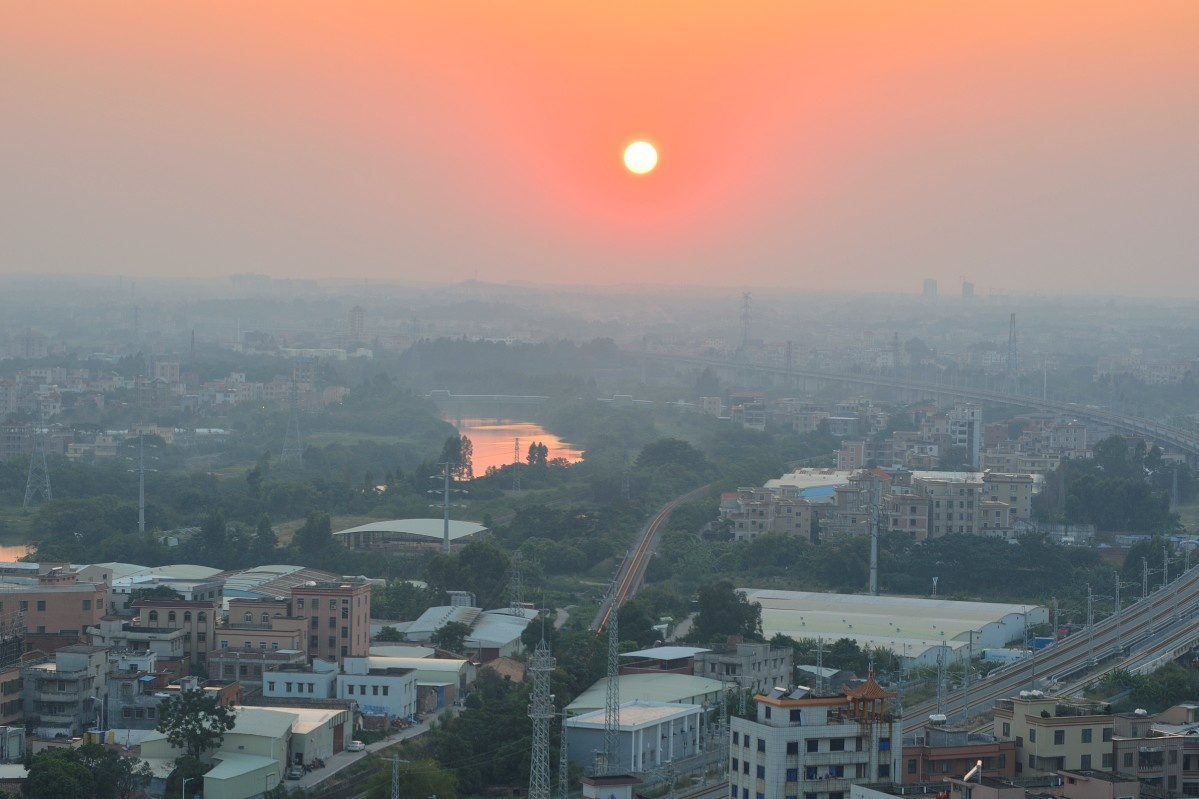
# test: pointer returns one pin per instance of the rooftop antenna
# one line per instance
(820, 666)
(744, 320)
(875, 512)
(1013, 364)
(541, 710)
(38, 480)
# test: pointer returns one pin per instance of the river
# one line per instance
(493, 443)
(11, 552)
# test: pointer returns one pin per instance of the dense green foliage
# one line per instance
(1154, 692)
(85, 772)
(195, 722)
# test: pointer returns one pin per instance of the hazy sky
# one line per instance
(1030, 146)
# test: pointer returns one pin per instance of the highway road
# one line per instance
(1146, 634)
(631, 575)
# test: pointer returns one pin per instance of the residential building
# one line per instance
(937, 753)
(57, 606)
(249, 665)
(120, 634)
(198, 617)
(10, 696)
(264, 624)
(297, 681)
(750, 666)
(63, 694)
(816, 747)
(134, 687)
(381, 688)
(1052, 734)
(339, 617)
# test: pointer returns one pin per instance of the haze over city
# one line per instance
(1027, 147)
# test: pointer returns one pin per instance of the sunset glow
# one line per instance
(817, 143)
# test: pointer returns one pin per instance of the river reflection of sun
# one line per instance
(495, 443)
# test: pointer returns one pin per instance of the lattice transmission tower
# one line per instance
(293, 440)
(611, 762)
(541, 710)
(37, 482)
(563, 762)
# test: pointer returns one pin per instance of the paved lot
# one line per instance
(342, 759)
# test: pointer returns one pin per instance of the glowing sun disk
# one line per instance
(640, 157)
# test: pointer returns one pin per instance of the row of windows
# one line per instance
(201, 617)
(139, 712)
(362, 690)
(270, 686)
(330, 603)
(1059, 736)
(247, 644)
(40, 605)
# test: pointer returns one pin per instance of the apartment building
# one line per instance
(338, 615)
(937, 753)
(264, 624)
(10, 696)
(757, 511)
(63, 694)
(815, 747)
(751, 666)
(1052, 734)
(197, 617)
(57, 607)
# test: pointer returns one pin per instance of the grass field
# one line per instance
(1190, 516)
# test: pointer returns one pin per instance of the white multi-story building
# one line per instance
(814, 747)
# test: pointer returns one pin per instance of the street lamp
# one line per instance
(183, 786)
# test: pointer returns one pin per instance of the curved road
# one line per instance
(631, 575)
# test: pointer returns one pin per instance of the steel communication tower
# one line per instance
(395, 778)
(1013, 364)
(516, 590)
(293, 441)
(38, 480)
(744, 320)
(563, 762)
(516, 466)
(611, 761)
(541, 710)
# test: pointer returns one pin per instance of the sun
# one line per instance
(640, 157)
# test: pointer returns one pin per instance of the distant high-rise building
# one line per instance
(930, 287)
(967, 290)
(357, 322)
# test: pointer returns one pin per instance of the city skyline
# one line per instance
(1027, 148)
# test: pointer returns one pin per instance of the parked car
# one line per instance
(294, 773)
(355, 746)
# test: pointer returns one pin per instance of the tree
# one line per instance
(723, 612)
(195, 722)
(265, 539)
(389, 635)
(316, 535)
(451, 636)
(86, 771)
(417, 778)
(56, 774)
(213, 530)
(457, 452)
(538, 455)
(157, 592)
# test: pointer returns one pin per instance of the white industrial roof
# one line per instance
(498, 628)
(183, 571)
(666, 652)
(424, 528)
(648, 687)
(420, 664)
(401, 651)
(811, 478)
(235, 764)
(435, 618)
(904, 625)
(261, 721)
(636, 714)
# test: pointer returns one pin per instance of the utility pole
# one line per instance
(141, 483)
(516, 466)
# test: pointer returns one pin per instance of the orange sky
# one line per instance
(1032, 147)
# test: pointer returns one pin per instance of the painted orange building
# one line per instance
(338, 614)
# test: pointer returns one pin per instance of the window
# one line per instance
(1059, 737)
(736, 738)
(1086, 735)
(153, 615)
(795, 716)
(736, 764)
(793, 747)
(300, 603)
(87, 604)
(1032, 736)
(345, 613)
(374, 690)
(274, 645)
(761, 772)
(202, 636)
(316, 602)
(836, 745)
(350, 691)
(224, 643)
(332, 641)
(249, 617)
(911, 766)
(767, 708)
(201, 617)
(1019, 741)
(813, 744)
(385, 690)
(248, 645)
(313, 642)
(41, 604)
(884, 744)
(792, 774)
(315, 623)
(1128, 760)
(270, 686)
(1086, 762)
(1107, 734)
(884, 771)
(266, 618)
(345, 632)
(745, 767)
(761, 744)
(262, 645)
(1173, 756)
(287, 687)
(1002, 760)
(332, 622)
(24, 605)
(187, 616)
(1107, 760)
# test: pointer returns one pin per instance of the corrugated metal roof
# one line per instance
(666, 652)
(422, 528)
(672, 688)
